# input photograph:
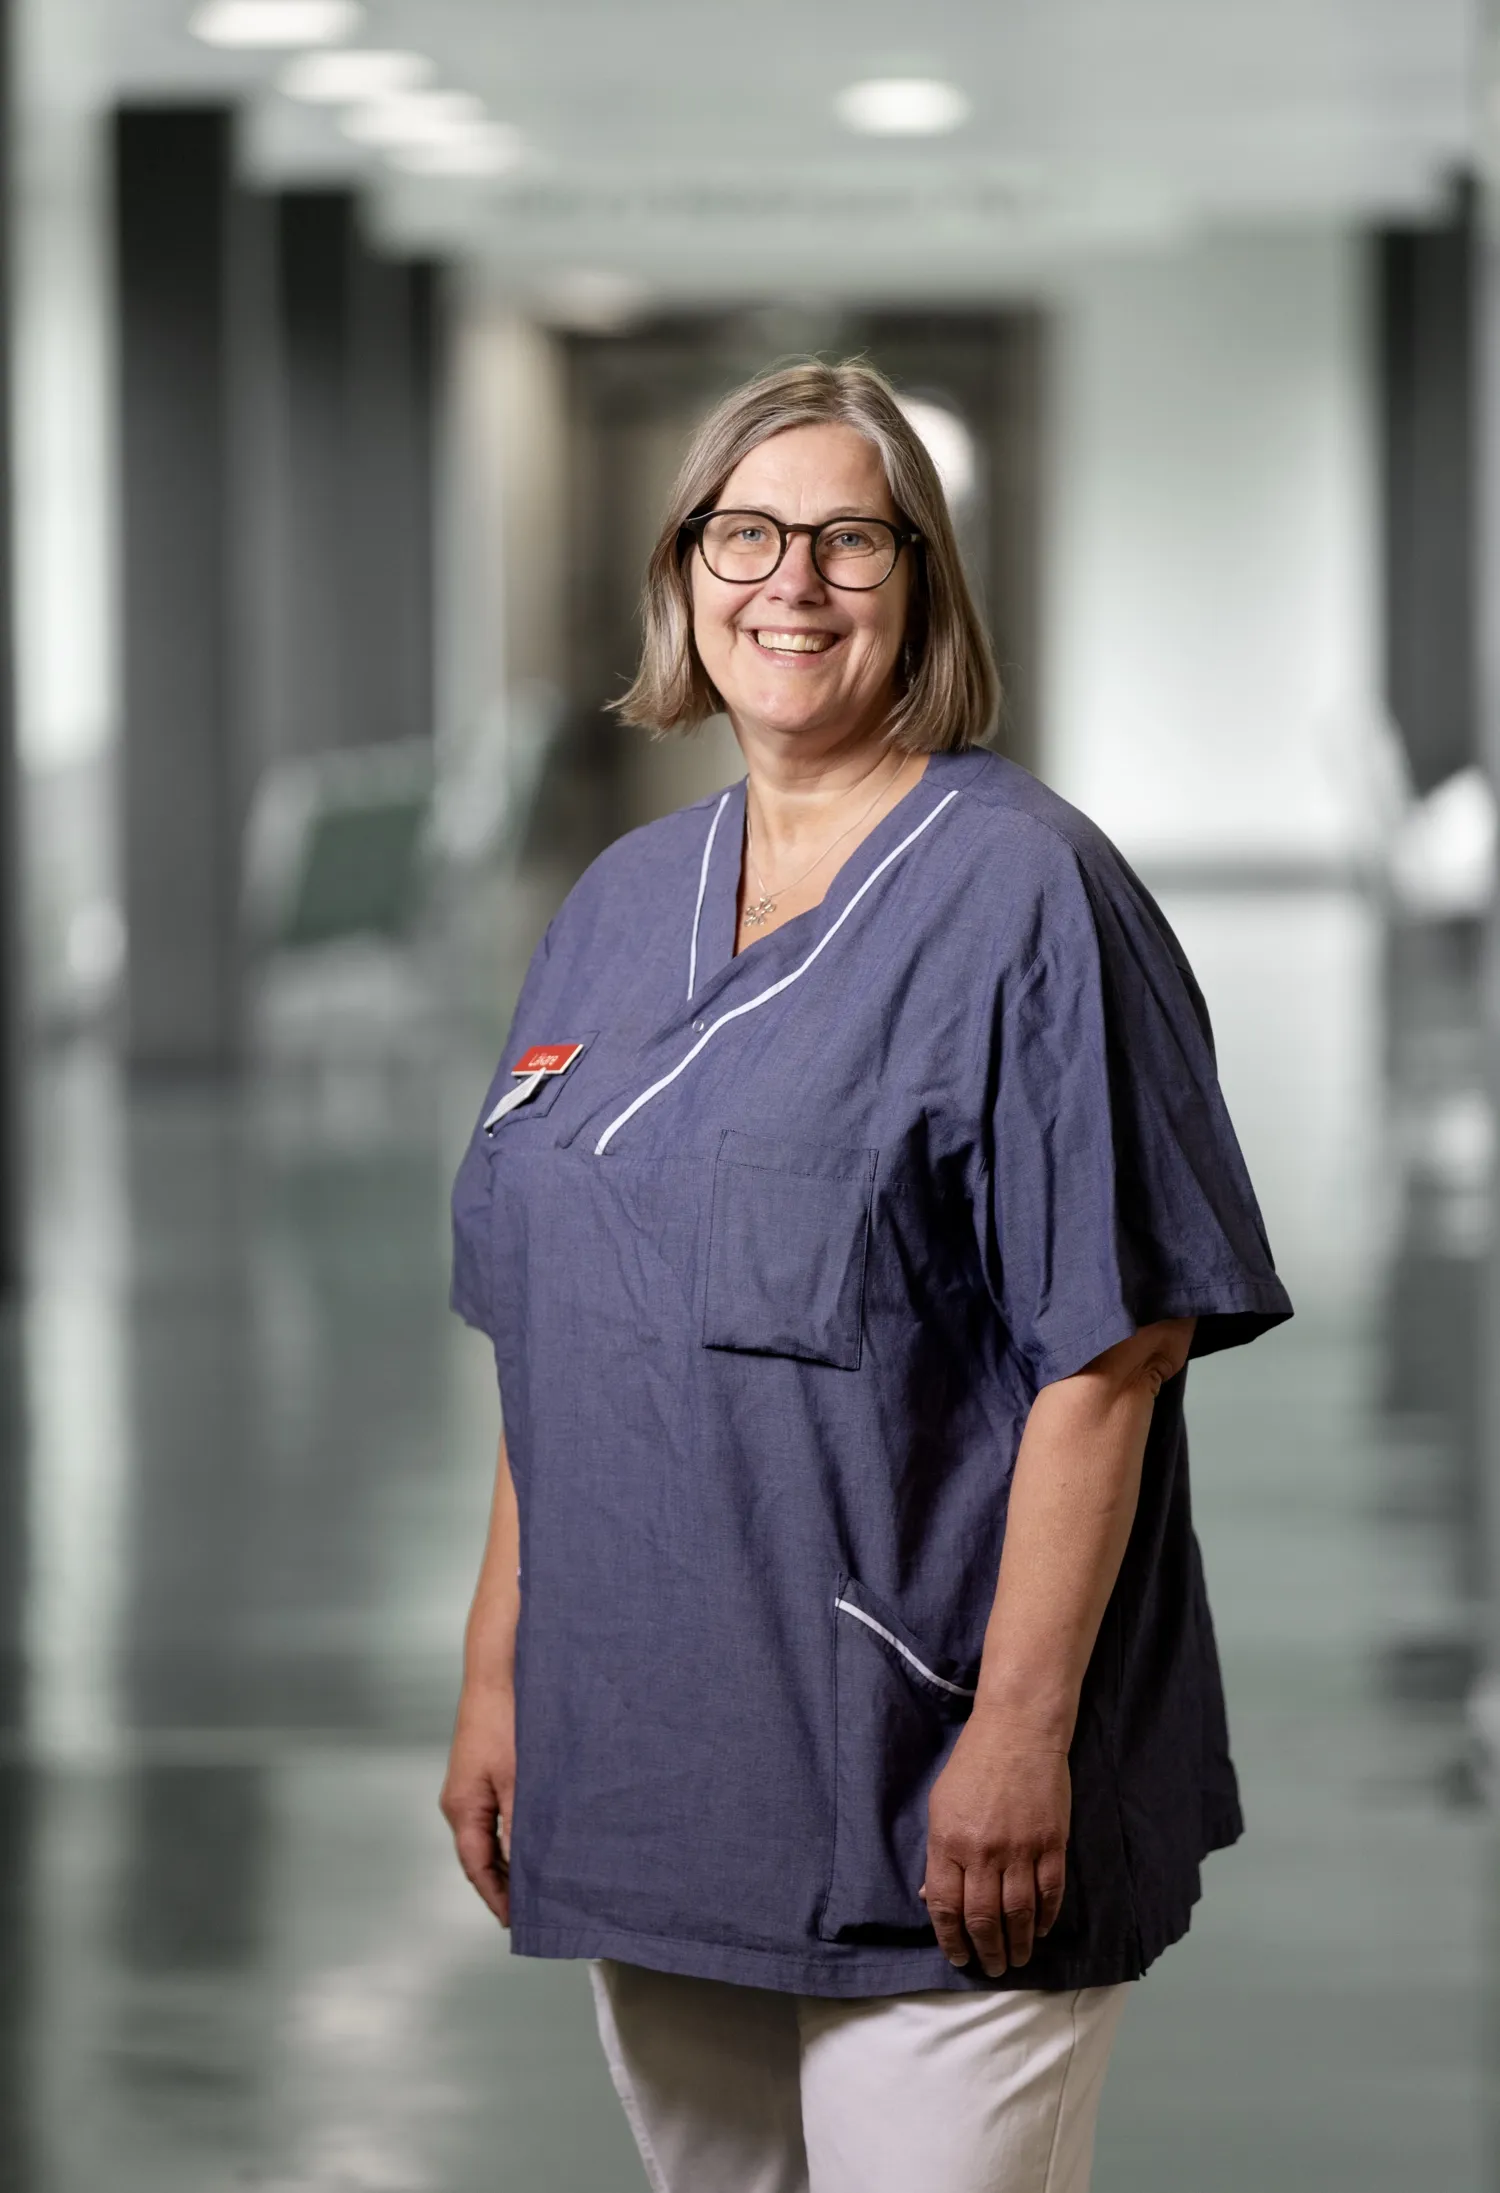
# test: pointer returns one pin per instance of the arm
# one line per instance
(480, 1784)
(999, 1812)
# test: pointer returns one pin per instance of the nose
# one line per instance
(795, 578)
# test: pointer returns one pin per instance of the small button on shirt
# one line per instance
(774, 1271)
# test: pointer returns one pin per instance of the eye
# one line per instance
(749, 536)
(850, 540)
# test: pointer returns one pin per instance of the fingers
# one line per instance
(484, 1864)
(996, 1914)
(943, 1894)
(1000, 1914)
(476, 1810)
(1051, 1880)
(1018, 1901)
(984, 1922)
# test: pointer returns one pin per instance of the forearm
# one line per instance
(490, 1636)
(1072, 1503)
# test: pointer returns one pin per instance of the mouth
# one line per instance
(794, 642)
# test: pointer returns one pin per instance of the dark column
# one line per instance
(180, 324)
(314, 254)
(355, 339)
(390, 539)
(1426, 302)
(11, 1216)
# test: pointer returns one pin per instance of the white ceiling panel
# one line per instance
(691, 146)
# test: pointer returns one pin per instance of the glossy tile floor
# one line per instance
(246, 1464)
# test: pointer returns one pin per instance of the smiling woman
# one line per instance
(852, 1192)
(871, 463)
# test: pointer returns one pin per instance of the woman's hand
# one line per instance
(997, 1820)
(480, 1790)
(997, 1835)
(481, 1780)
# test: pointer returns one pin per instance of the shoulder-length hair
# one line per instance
(948, 688)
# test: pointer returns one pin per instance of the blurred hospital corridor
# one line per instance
(260, 1450)
(351, 351)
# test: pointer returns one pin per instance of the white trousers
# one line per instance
(739, 2090)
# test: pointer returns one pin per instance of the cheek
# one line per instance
(879, 642)
(710, 632)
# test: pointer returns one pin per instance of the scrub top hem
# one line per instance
(898, 1972)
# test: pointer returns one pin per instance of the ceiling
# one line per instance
(688, 148)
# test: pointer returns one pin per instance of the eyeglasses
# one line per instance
(746, 546)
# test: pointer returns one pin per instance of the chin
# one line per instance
(794, 711)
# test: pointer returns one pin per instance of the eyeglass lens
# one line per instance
(743, 546)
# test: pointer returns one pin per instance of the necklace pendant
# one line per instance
(760, 911)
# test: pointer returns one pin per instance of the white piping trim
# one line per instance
(847, 1606)
(764, 997)
(708, 850)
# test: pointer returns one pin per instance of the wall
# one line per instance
(1211, 649)
(64, 513)
(1211, 680)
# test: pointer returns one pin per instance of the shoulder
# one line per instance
(654, 848)
(1027, 841)
(1008, 807)
(1062, 877)
(646, 866)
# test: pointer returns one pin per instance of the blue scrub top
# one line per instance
(773, 1272)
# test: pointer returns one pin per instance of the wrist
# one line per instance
(487, 1682)
(1024, 1718)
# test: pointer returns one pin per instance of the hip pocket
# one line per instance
(898, 1713)
(788, 1231)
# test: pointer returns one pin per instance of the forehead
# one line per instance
(809, 471)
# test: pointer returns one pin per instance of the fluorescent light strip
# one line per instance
(275, 23)
(491, 149)
(902, 106)
(417, 118)
(340, 79)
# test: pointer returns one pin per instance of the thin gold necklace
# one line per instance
(763, 908)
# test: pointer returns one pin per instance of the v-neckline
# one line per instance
(719, 914)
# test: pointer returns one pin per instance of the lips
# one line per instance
(795, 642)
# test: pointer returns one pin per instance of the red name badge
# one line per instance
(547, 1058)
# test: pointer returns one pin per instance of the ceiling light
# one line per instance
(276, 22)
(416, 118)
(340, 79)
(492, 150)
(902, 106)
(949, 444)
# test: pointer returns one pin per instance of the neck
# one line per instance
(797, 789)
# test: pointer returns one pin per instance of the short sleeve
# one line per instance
(1119, 1192)
(469, 1290)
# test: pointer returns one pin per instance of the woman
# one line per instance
(853, 1190)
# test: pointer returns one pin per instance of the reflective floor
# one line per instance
(251, 1460)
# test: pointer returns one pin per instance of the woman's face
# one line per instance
(793, 656)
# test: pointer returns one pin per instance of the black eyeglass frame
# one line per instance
(904, 537)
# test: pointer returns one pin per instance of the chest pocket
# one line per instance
(788, 1235)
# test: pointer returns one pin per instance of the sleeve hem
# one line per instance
(468, 1312)
(1228, 1317)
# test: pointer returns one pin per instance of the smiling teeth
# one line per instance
(795, 643)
